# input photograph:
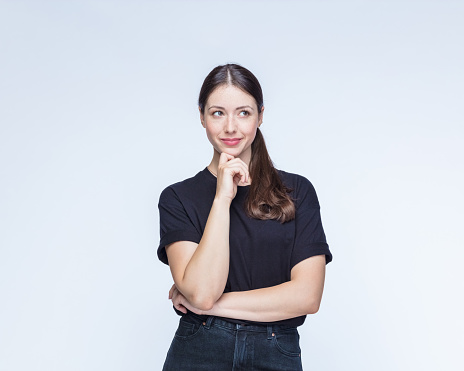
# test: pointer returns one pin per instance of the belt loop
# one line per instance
(209, 321)
(269, 332)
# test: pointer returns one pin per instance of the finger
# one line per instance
(225, 157)
(173, 287)
(237, 178)
(171, 291)
(239, 172)
(239, 163)
(181, 308)
(177, 300)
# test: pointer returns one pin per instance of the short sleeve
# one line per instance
(310, 238)
(175, 224)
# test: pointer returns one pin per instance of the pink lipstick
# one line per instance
(231, 141)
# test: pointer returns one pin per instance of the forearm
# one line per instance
(267, 304)
(206, 273)
(299, 296)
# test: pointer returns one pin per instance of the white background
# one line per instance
(98, 115)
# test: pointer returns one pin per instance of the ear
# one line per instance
(260, 116)
(202, 117)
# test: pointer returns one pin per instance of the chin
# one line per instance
(232, 152)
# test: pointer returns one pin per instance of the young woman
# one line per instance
(244, 242)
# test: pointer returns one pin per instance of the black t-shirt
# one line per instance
(262, 252)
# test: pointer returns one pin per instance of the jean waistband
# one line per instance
(209, 321)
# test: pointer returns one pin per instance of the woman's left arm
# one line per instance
(300, 296)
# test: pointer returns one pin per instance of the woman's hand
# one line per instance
(231, 171)
(180, 302)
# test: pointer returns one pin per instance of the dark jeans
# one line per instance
(218, 345)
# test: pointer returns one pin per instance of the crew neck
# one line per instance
(212, 177)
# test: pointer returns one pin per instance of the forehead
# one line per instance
(230, 96)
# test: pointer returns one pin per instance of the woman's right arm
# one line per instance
(200, 271)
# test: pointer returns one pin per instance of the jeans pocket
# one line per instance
(288, 342)
(187, 329)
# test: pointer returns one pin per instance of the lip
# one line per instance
(231, 141)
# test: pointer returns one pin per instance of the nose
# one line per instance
(230, 125)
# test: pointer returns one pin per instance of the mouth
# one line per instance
(231, 141)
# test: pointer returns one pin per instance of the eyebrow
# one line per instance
(238, 108)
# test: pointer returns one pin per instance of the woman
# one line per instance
(243, 240)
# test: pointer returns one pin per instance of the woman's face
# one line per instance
(231, 118)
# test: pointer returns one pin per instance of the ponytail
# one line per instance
(268, 197)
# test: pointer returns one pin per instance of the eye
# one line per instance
(217, 113)
(244, 113)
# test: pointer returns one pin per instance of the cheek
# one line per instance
(251, 132)
(211, 134)
(210, 138)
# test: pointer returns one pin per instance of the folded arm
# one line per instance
(299, 296)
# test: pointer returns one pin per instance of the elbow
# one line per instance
(200, 297)
(202, 302)
(204, 305)
(313, 309)
(312, 306)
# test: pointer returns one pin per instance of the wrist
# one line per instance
(221, 201)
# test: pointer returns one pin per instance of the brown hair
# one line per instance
(268, 197)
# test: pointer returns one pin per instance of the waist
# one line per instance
(235, 324)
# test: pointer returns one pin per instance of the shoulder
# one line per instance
(301, 188)
(298, 183)
(192, 186)
(294, 180)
